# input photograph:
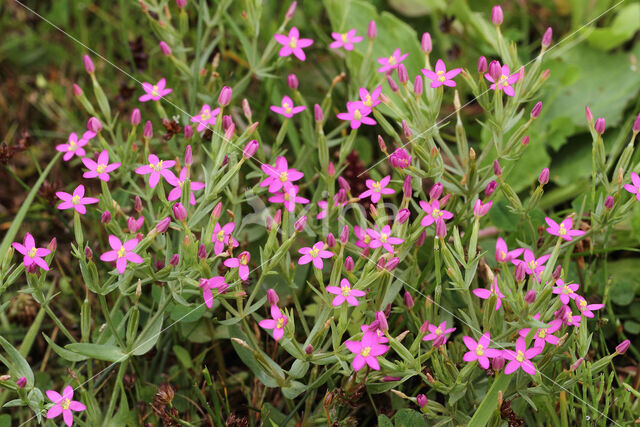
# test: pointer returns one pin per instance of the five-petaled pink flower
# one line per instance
(286, 108)
(363, 237)
(32, 255)
(374, 328)
(632, 188)
(391, 62)
(316, 253)
(155, 92)
(345, 40)
(585, 308)
(206, 118)
(345, 293)
(505, 81)
(436, 331)
(382, 238)
(481, 209)
(532, 265)
(208, 285)
(277, 322)
(221, 236)
(441, 76)
(366, 351)
(100, 169)
(289, 197)
(370, 99)
(566, 292)
(357, 113)
(157, 168)
(376, 189)
(242, 263)
(293, 44)
(479, 350)
(76, 200)
(178, 183)
(493, 290)
(563, 229)
(63, 404)
(280, 175)
(543, 335)
(503, 254)
(121, 253)
(434, 213)
(520, 358)
(73, 147)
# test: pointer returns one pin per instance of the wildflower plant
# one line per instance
(250, 234)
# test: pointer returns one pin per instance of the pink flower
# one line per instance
(586, 309)
(631, 188)
(479, 350)
(76, 200)
(73, 147)
(532, 265)
(289, 196)
(504, 81)
(566, 292)
(493, 290)
(366, 351)
(569, 319)
(135, 224)
(277, 322)
(434, 213)
(503, 254)
(207, 286)
(293, 44)
(280, 175)
(363, 238)
(221, 236)
(345, 293)
(520, 358)
(287, 109)
(436, 331)
(241, 263)
(177, 183)
(564, 229)
(206, 118)
(374, 328)
(357, 114)
(64, 405)
(372, 99)
(316, 253)
(324, 204)
(157, 168)
(441, 76)
(400, 158)
(392, 61)
(383, 238)
(121, 253)
(376, 189)
(480, 209)
(32, 255)
(345, 40)
(154, 92)
(100, 169)
(543, 335)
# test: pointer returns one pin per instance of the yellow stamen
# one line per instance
(479, 350)
(365, 351)
(520, 356)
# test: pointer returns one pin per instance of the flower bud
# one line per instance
(292, 81)
(636, 124)
(392, 263)
(331, 169)
(344, 184)
(163, 225)
(421, 400)
(88, 253)
(497, 363)
(341, 196)
(382, 144)
(372, 31)
(530, 296)
(300, 224)
(246, 109)
(250, 149)
(175, 259)
(407, 190)
(402, 216)
(392, 83)
(88, 64)
(408, 300)
(344, 235)
(441, 229)
(181, 3)
(575, 365)
(227, 121)
(77, 90)
(482, 65)
(439, 341)
(535, 112)
(272, 297)
(557, 272)
(202, 251)
(421, 238)
(425, 43)
(349, 264)
(436, 191)
(496, 15)
(308, 349)
(228, 134)
(546, 38)
(94, 125)
(491, 187)
(400, 158)
(225, 96)
(22, 382)
(317, 113)
(106, 217)
(608, 202)
(277, 218)
(291, 11)
(188, 156)
(165, 49)
(418, 86)
(543, 178)
(179, 212)
(599, 126)
(403, 75)
(217, 211)
(588, 114)
(331, 240)
(623, 347)
(495, 70)
(521, 272)
(481, 209)
(148, 130)
(406, 130)
(445, 200)
(382, 321)
(135, 117)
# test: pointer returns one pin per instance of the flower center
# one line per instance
(542, 333)
(344, 37)
(221, 236)
(280, 323)
(438, 331)
(75, 200)
(441, 77)
(562, 230)
(383, 237)
(365, 351)
(72, 145)
(313, 252)
(367, 100)
(533, 265)
(122, 252)
(284, 176)
(32, 252)
(287, 107)
(392, 59)
(155, 92)
(520, 356)
(101, 168)
(566, 290)
(583, 304)
(367, 239)
(504, 80)
(157, 167)
(503, 256)
(435, 213)
(206, 115)
(286, 197)
(480, 350)
(376, 187)
(243, 259)
(293, 43)
(346, 291)
(65, 404)
(357, 115)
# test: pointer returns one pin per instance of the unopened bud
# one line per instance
(575, 365)
(77, 90)
(272, 297)
(421, 400)
(403, 75)
(300, 224)
(608, 203)
(491, 187)
(246, 109)
(392, 263)
(482, 65)
(421, 238)
(497, 363)
(94, 125)
(317, 113)
(392, 83)
(179, 212)
(372, 31)
(535, 111)
(495, 70)
(202, 251)
(22, 382)
(250, 149)
(588, 114)
(543, 178)
(599, 126)
(546, 38)
(426, 44)
(530, 296)
(165, 49)
(406, 130)
(557, 272)
(636, 124)
(88, 64)
(163, 225)
(496, 15)
(344, 235)
(175, 259)
(382, 321)
(349, 264)
(106, 217)
(308, 349)
(521, 271)
(436, 191)
(402, 216)
(292, 81)
(418, 86)
(623, 347)
(53, 244)
(88, 253)
(331, 240)
(408, 300)
(148, 130)
(225, 96)
(291, 11)
(344, 184)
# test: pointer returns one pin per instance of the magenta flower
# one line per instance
(372, 99)
(532, 265)
(157, 168)
(479, 350)
(345, 293)
(400, 158)
(154, 92)
(503, 254)
(520, 358)
(631, 188)
(434, 213)
(363, 237)
(316, 253)
(392, 62)
(32, 254)
(73, 147)
(493, 290)
(280, 175)
(64, 405)
(382, 238)
(287, 109)
(357, 114)
(566, 292)
(374, 328)
(277, 322)
(345, 40)
(293, 44)
(206, 118)
(289, 197)
(221, 236)
(505, 81)
(178, 182)
(437, 331)
(585, 308)
(76, 200)
(241, 263)
(366, 351)
(100, 169)
(480, 209)
(569, 319)
(376, 189)
(543, 335)
(441, 76)
(564, 229)
(208, 285)
(121, 253)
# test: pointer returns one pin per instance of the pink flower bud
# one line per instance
(406, 130)
(495, 70)
(175, 259)
(202, 251)
(382, 144)
(408, 300)
(441, 229)
(588, 114)
(392, 83)
(246, 109)
(349, 264)
(317, 113)
(599, 126)
(402, 216)
(344, 235)
(403, 75)
(521, 271)
(22, 382)
(331, 169)
(388, 379)
(291, 11)
(575, 365)
(608, 203)
(133, 225)
(331, 240)
(439, 341)
(188, 131)
(148, 130)
(106, 217)
(272, 297)
(228, 134)
(88, 253)
(392, 263)
(181, 3)
(425, 43)
(530, 296)
(480, 209)
(424, 328)
(497, 363)
(557, 272)
(382, 321)
(135, 117)
(445, 200)
(277, 218)
(344, 184)
(165, 49)
(535, 112)
(482, 65)
(53, 244)
(227, 121)
(88, 64)
(421, 238)
(188, 156)
(418, 86)
(94, 125)
(292, 81)
(179, 212)
(546, 38)
(308, 349)
(300, 224)
(636, 124)
(496, 15)
(250, 149)
(491, 187)
(436, 191)
(341, 197)
(525, 140)
(225, 96)
(372, 31)
(543, 178)
(400, 158)
(163, 225)
(421, 400)
(623, 347)
(217, 211)
(497, 170)
(77, 90)
(407, 191)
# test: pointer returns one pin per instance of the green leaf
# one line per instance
(409, 418)
(149, 337)
(502, 217)
(490, 402)
(384, 421)
(17, 364)
(107, 352)
(293, 390)
(183, 356)
(623, 28)
(64, 353)
(632, 327)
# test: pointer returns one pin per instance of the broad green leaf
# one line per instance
(64, 353)
(490, 402)
(17, 364)
(409, 418)
(183, 356)
(149, 337)
(622, 28)
(107, 352)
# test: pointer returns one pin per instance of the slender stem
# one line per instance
(107, 316)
